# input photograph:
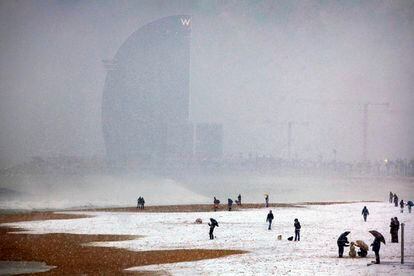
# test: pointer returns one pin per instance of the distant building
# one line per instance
(209, 141)
(145, 105)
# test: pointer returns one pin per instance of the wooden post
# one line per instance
(402, 243)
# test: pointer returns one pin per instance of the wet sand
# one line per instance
(209, 207)
(71, 257)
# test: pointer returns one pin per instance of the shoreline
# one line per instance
(176, 207)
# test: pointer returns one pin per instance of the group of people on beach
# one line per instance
(343, 242)
(238, 201)
(216, 203)
(140, 202)
(394, 199)
(269, 218)
(376, 244)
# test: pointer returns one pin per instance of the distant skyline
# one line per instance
(253, 64)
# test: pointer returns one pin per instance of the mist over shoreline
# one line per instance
(63, 191)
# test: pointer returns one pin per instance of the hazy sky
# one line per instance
(252, 65)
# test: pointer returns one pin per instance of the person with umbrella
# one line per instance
(342, 242)
(213, 223)
(365, 213)
(363, 248)
(410, 204)
(376, 244)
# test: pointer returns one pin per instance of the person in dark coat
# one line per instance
(391, 229)
(269, 219)
(229, 203)
(394, 227)
(395, 200)
(397, 227)
(365, 213)
(376, 246)
(391, 197)
(212, 226)
(142, 202)
(342, 242)
(267, 201)
(362, 252)
(297, 229)
(402, 206)
(139, 203)
(216, 203)
(239, 199)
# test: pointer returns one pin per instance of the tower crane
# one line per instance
(365, 118)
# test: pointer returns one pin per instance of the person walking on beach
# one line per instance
(267, 200)
(269, 219)
(139, 203)
(395, 200)
(142, 202)
(402, 206)
(239, 199)
(365, 213)
(391, 197)
(213, 223)
(229, 203)
(297, 229)
(376, 246)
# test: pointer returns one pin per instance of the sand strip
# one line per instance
(68, 253)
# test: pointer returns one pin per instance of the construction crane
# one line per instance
(290, 125)
(365, 118)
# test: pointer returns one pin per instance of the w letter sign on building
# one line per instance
(185, 21)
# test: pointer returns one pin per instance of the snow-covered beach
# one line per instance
(246, 230)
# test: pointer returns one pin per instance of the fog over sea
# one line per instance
(27, 191)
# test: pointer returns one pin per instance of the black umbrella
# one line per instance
(378, 235)
(344, 234)
(214, 222)
(410, 203)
